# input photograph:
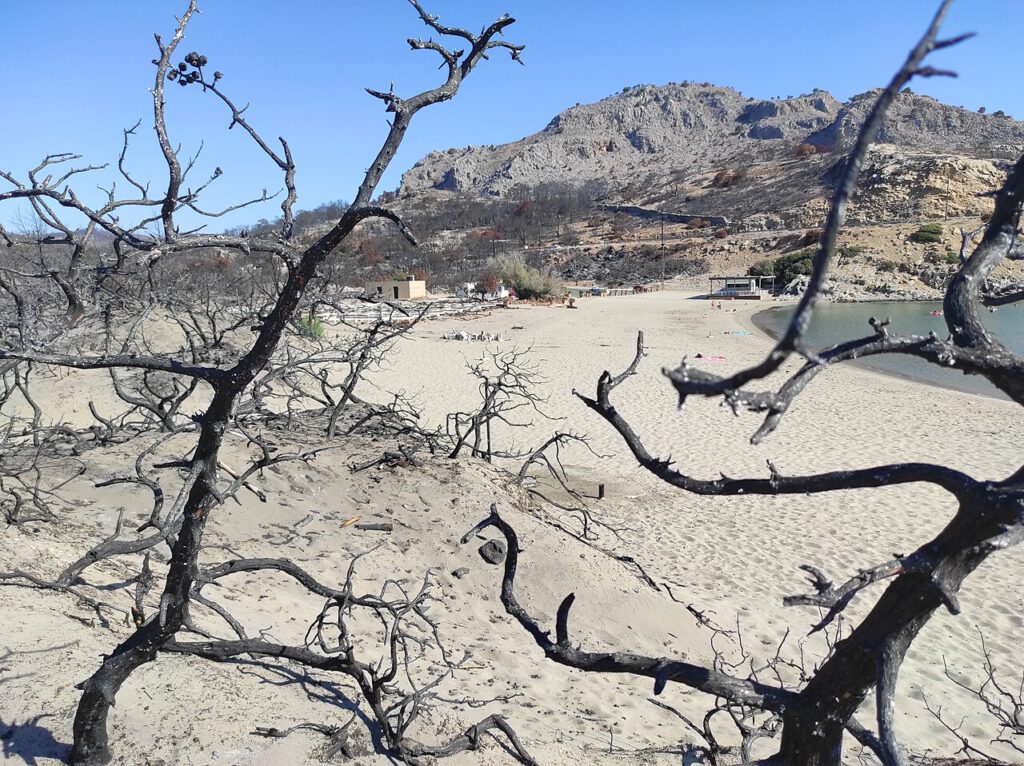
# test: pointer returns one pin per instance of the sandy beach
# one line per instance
(738, 557)
(731, 558)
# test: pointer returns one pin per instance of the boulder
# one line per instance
(493, 551)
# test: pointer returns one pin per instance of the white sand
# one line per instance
(734, 557)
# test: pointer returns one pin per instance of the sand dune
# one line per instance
(733, 558)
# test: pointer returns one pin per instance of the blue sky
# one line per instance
(76, 73)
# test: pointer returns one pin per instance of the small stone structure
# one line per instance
(408, 289)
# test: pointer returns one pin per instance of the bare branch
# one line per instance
(661, 669)
(953, 481)
(792, 340)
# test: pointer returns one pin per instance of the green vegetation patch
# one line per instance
(526, 281)
(930, 232)
(850, 252)
(785, 268)
(948, 258)
(312, 328)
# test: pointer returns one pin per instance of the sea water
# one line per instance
(838, 322)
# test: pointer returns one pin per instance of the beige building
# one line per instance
(408, 289)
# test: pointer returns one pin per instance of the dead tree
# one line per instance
(31, 477)
(564, 495)
(389, 683)
(751, 724)
(507, 383)
(988, 516)
(324, 370)
(227, 382)
(1003, 700)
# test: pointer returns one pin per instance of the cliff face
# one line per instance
(898, 186)
(922, 124)
(679, 127)
(664, 146)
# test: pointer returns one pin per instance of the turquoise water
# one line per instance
(837, 322)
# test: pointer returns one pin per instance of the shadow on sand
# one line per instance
(29, 741)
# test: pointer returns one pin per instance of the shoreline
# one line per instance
(864, 364)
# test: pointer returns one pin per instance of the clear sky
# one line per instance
(75, 73)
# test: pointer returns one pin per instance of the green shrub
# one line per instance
(849, 252)
(887, 266)
(785, 268)
(312, 328)
(930, 232)
(526, 281)
(948, 258)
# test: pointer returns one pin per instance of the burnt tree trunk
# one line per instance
(812, 733)
(91, 745)
(99, 690)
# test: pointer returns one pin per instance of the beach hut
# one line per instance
(408, 289)
(744, 287)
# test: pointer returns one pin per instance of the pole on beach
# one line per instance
(487, 387)
(662, 253)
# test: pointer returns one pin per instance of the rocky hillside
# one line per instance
(922, 124)
(707, 150)
(689, 179)
(687, 127)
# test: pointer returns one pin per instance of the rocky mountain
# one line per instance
(922, 124)
(688, 179)
(708, 150)
(693, 127)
